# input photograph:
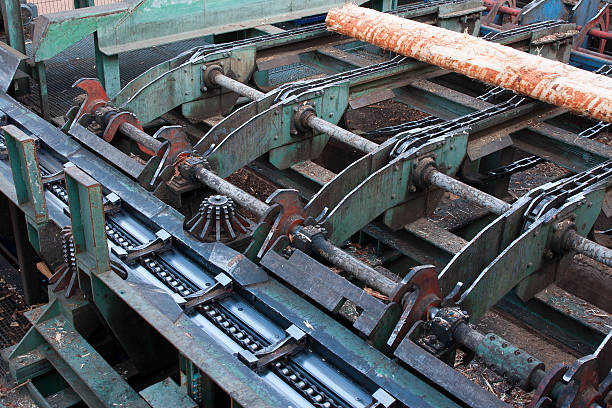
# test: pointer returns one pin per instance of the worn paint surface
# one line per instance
(546, 80)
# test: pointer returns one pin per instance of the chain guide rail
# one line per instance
(306, 89)
(223, 316)
(563, 191)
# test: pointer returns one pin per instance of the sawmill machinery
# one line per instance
(182, 288)
(590, 48)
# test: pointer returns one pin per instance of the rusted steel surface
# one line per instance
(549, 81)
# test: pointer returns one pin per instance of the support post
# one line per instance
(43, 90)
(26, 174)
(107, 67)
(11, 12)
(88, 221)
(25, 256)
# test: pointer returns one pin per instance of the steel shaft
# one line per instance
(342, 135)
(223, 186)
(336, 256)
(236, 86)
(140, 137)
(491, 203)
(585, 246)
(549, 81)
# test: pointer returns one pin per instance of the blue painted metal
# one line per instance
(543, 10)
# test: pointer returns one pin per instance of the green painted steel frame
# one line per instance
(378, 189)
(177, 82)
(11, 13)
(26, 176)
(501, 256)
(87, 216)
(54, 344)
(132, 25)
(273, 131)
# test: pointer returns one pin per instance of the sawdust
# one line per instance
(491, 381)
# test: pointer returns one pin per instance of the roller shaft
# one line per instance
(140, 137)
(336, 256)
(491, 203)
(589, 248)
(210, 179)
(236, 86)
(340, 134)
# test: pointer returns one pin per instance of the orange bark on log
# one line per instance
(549, 81)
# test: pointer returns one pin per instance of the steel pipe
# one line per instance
(140, 137)
(220, 185)
(549, 81)
(336, 256)
(573, 240)
(441, 180)
(513, 11)
(342, 135)
(235, 86)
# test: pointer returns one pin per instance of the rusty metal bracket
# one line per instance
(223, 287)
(95, 96)
(178, 143)
(294, 342)
(117, 120)
(287, 211)
(418, 292)
(586, 382)
(546, 385)
(161, 243)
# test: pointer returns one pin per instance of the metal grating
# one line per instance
(290, 73)
(78, 61)
(369, 52)
(13, 325)
(55, 6)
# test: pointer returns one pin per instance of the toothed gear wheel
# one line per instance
(217, 220)
(65, 277)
